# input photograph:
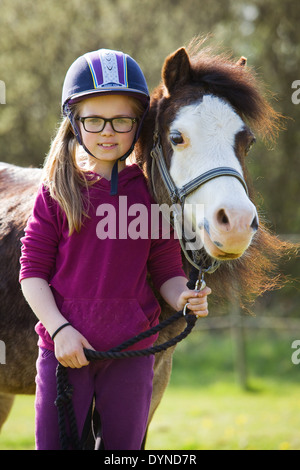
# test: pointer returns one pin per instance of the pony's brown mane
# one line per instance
(231, 79)
(211, 73)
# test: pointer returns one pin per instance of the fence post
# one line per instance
(239, 342)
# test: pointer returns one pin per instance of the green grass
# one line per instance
(204, 407)
(224, 418)
(18, 431)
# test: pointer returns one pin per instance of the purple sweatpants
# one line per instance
(122, 390)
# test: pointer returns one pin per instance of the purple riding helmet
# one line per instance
(104, 72)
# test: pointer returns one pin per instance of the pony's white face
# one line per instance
(203, 136)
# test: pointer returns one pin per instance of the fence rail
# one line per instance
(228, 322)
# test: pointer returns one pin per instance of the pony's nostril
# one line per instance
(254, 224)
(222, 217)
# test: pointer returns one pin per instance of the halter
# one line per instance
(179, 194)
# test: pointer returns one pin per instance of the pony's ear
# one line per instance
(242, 61)
(176, 69)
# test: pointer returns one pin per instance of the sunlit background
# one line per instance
(233, 387)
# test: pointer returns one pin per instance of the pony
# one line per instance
(204, 116)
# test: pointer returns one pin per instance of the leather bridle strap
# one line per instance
(179, 194)
(207, 176)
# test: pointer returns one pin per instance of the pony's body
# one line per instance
(200, 111)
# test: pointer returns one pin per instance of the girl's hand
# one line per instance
(69, 344)
(197, 301)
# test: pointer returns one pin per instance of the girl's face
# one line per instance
(108, 145)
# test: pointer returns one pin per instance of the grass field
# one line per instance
(204, 407)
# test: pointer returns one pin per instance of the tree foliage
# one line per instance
(40, 39)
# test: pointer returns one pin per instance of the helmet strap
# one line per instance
(115, 172)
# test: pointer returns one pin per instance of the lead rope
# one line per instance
(63, 401)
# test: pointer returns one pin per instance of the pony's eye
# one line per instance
(250, 145)
(176, 138)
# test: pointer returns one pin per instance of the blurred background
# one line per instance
(230, 357)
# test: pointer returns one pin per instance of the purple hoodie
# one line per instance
(100, 284)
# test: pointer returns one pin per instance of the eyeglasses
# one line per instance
(95, 124)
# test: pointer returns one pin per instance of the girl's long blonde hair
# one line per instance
(63, 176)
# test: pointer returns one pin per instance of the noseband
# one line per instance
(178, 195)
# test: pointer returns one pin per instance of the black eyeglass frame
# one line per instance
(110, 120)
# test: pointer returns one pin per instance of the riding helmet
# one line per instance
(104, 72)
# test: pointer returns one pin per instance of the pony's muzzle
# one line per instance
(232, 220)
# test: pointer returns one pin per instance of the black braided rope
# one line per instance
(64, 390)
(65, 410)
(117, 352)
(194, 276)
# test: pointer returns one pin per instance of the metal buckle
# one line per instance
(203, 284)
(197, 289)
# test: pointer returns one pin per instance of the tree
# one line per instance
(39, 40)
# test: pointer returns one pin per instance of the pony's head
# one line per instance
(202, 119)
(207, 111)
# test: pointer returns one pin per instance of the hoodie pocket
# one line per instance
(106, 323)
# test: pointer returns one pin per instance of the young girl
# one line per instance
(87, 286)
